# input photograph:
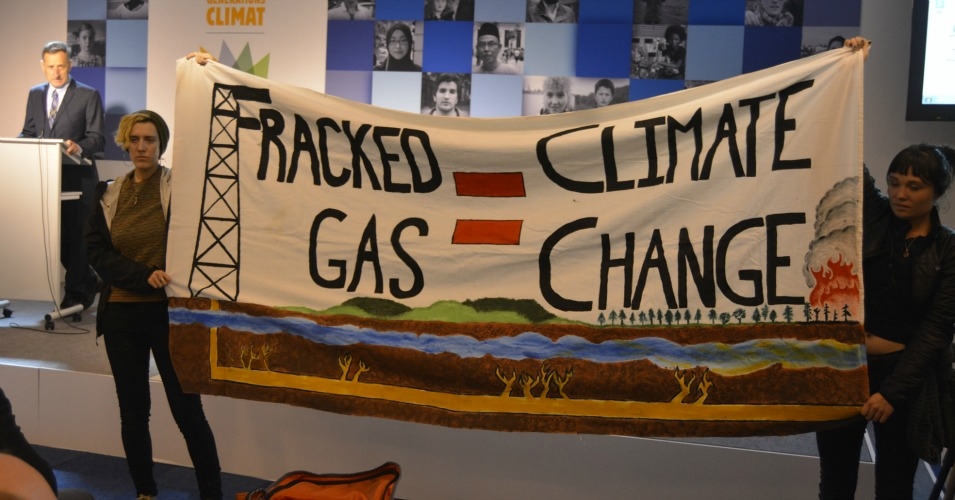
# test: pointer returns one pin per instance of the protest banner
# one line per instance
(686, 265)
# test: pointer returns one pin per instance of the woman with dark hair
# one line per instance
(400, 45)
(908, 266)
(909, 274)
(126, 241)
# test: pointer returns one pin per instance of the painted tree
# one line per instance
(788, 314)
(739, 314)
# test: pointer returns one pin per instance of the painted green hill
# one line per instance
(492, 310)
(527, 308)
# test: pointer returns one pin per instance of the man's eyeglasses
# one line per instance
(488, 45)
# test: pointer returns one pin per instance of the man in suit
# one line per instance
(64, 108)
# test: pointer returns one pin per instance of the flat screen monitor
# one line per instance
(931, 95)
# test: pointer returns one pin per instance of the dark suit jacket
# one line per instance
(78, 118)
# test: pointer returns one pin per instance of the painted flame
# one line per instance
(837, 286)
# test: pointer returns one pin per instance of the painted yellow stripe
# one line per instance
(535, 406)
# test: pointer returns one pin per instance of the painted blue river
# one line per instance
(743, 357)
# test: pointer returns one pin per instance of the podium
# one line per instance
(30, 198)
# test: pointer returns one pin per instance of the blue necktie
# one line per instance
(53, 105)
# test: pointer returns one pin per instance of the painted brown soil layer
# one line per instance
(640, 381)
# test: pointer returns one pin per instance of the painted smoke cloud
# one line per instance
(834, 279)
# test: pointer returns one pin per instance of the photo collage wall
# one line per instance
(108, 39)
(502, 58)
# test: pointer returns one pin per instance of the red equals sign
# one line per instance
(488, 185)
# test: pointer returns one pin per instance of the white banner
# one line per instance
(647, 268)
(702, 199)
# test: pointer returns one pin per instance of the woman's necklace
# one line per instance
(908, 245)
(139, 185)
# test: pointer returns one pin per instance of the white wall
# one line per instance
(24, 28)
(888, 24)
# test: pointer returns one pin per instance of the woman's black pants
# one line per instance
(839, 448)
(131, 331)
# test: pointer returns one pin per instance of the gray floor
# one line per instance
(72, 345)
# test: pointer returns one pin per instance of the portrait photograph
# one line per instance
(661, 11)
(402, 41)
(446, 94)
(127, 9)
(87, 41)
(448, 10)
(552, 11)
(783, 13)
(551, 95)
(351, 10)
(498, 48)
(599, 92)
(658, 52)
